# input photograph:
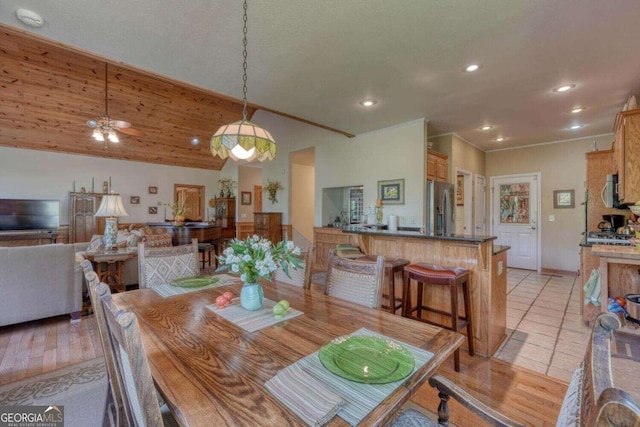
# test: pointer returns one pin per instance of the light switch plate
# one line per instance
(552, 218)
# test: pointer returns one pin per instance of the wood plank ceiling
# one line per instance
(49, 91)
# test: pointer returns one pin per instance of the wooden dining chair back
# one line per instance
(301, 276)
(160, 266)
(354, 280)
(115, 406)
(138, 391)
(591, 398)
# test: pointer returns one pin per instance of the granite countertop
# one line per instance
(500, 248)
(473, 238)
(616, 251)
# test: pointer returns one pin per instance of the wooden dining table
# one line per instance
(211, 372)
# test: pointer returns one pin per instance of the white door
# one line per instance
(480, 205)
(514, 216)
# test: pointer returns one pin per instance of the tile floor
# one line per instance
(544, 325)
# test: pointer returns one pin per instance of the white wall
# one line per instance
(391, 153)
(31, 174)
(303, 200)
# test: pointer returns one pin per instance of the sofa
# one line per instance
(37, 282)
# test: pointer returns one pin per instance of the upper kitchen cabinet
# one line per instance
(436, 166)
(626, 158)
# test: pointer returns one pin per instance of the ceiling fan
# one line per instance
(104, 127)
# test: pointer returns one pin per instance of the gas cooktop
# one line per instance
(608, 238)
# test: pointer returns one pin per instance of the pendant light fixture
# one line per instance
(243, 140)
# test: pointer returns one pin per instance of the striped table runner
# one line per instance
(252, 321)
(167, 290)
(359, 399)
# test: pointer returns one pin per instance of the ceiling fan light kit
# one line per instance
(104, 128)
(243, 140)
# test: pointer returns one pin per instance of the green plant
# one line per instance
(272, 188)
(179, 207)
(257, 257)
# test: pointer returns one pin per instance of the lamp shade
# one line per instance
(243, 140)
(111, 206)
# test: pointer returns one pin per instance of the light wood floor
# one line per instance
(36, 347)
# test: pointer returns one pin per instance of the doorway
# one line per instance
(464, 201)
(302, 196)
(514, 216)
(193, 196)
(479, 207)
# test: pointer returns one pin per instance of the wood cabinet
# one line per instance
(225, 215)
(268, 225)
(599, 165)
(82, 222)
(436, 166)
(326, 238)
(627, 155)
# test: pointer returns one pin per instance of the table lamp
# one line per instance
(111, 207)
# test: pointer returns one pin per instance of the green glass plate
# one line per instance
(195, 282)
(366, 359)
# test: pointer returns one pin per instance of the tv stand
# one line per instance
(29, 235)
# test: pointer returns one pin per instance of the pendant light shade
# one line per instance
(243, 140)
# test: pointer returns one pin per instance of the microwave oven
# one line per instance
(609, 192)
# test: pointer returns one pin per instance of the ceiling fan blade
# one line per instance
(120, 124)
(129, 131)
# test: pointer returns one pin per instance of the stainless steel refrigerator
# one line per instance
(440, 210)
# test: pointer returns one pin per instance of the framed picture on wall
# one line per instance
(134, 200)
(391, 192)
(153, 190)
(153, 210)
(563, 199)
(245, 197)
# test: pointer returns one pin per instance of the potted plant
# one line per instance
(272, 188)
(178, 209)
(257, 257)
(226, 184)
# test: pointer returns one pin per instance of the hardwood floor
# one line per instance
(33, 348)
(36, 347)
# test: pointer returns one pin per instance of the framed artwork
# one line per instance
(153, 190)
(134, 200)
(460, 190)
(245, 197)
(153, 210)
(564, 199)
(391, 192)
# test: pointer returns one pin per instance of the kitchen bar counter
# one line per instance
(487, 267)
(473, 238)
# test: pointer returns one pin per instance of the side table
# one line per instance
(109, 266)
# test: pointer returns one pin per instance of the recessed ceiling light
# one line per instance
(29, 18)
(368, 102)
(564, 88)
(471, 68)
(577, 110)
(195, 140)
(486, 127)
(499, 139)
(574, 127)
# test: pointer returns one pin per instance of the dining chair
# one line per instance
(591, 398)
(354, 280)
(114, 409)
(138, 392)
(301, 276)
(160, 266)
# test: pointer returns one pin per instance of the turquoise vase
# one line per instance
(251, 296)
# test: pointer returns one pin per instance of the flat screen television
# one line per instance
(22, 214)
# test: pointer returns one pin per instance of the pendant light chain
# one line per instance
(244, 63)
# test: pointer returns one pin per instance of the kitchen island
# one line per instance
(487, 265)
(619, 266)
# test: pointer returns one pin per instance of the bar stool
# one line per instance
(391, 267)
(205, 249)
(432, 274)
